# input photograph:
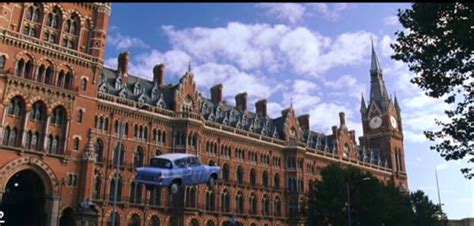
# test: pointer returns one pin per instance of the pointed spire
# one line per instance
(363, 107)
(189, 66)
(397, 107)
(375, 65)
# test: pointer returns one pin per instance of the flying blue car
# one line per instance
(175, 171)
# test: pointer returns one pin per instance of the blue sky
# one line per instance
(316, 55)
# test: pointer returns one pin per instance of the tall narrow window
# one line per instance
(75, 145)
(3, 59)
(97, 186)
(119, 188)
(79, 115)
(84, 84)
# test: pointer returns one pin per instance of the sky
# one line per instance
(315, 56)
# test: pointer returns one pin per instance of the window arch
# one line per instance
(97, 186)
(265, 179)
(155, 196)
(59, 116)
(118, 148)
(253, 177)
(136, 192)
(194, 222)
(253, 204)
(138, 157)
(75, 144)
(80, 114)
(225, 201)
(6, 135)
(155, 221)
(240, 175)
(266, 205)
(117, 219)
(20, 66)
(38, 111)
(240, 202)
(119, 179)
(17, 107)
(210, 223)
(276, 181)
(28, 139)
(191, 197)
(277, 207)
(3, 59)
(135, 220)
(210, 200)
(84, 84)
(99, 149)
(225, 172)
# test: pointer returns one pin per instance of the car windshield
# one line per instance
(160, 163)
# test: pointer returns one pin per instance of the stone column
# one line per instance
(25, 123)
(66, 133)
(52, 208)
(5, 110)
(45, 137)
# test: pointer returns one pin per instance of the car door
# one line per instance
(196, 169)
(183, 171)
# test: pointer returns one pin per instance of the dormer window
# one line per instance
(137, 89)
(155, 92)
(123, 93)
(346, 150)
(118, 83)
(142, 98)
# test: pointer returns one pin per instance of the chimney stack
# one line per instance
(158, 74)
(303, 120)
(123, 59)
(261, 107)
(342, 119)
(241, 101)
(216, 93)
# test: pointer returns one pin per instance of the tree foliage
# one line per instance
(437, 43)
(372, 202)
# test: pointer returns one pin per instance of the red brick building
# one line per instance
(61, 109)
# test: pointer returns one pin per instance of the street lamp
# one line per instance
(120, 131)
(349, 199)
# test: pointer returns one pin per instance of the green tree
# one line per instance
(437, 43)
(426, 212)
(372, 202)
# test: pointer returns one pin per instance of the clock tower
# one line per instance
(382, 124)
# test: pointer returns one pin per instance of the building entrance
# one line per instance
(24, 200)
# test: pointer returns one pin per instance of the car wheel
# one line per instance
(174, 187)
(211, 182)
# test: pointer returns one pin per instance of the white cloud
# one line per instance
(271, 48)
(346, 85)
(124, 42)
(391, 20)
(331, 11)
(387, 51)
(325, 115)
(292, 12)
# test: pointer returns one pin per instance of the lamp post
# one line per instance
(349, 199)
(119, 152)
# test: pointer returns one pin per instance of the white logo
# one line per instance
(1, 217)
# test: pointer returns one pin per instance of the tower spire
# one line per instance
(397, 107)
(378, 92)
(363, 107)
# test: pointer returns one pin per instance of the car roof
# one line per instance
(174, 156)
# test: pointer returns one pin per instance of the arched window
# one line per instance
(266, 205)
(225, 172)
(16, 107)
(253, 204)
(277, 181)
(34, 141)
(29, 69)
(3, 59)
(155, 221)
(99, 150)
(84, 84)
(265, 179)
(191, 196)
(240, 175)
(68, 81)
(136, 192)
(155, 196)
(75, 144)
(59, 116)
(20, 66)
(28, 139)
(13, 137)
(117, 219)
(80, 113)
(240, 202)
(210, 200)
(225, 201)
(61, 78)
(135, 220)
(120, 148)
(277, 207)
(6, 135)
(138, 157)
(48, 79)
(194, 222)
(210, 223)
(119, 180)
(253, 177)
(97, 186)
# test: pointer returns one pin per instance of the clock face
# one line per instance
(393, 121)
(375, 122)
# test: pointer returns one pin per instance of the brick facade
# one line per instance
(61, 110)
